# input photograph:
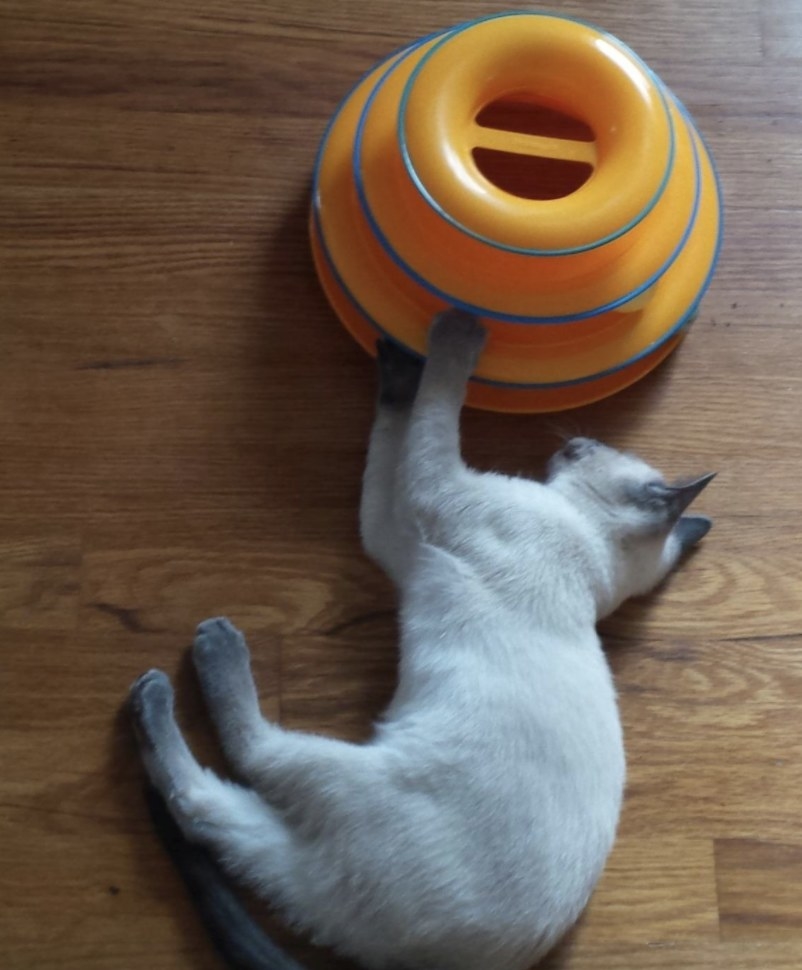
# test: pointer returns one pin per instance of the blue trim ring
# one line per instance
(380, 331)
(682, 322)
(432, 202)
(685, 319)
(347, 97)
(452, 300)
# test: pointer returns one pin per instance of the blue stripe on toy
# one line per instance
(424, 192)
(684, 320)
(453, 300)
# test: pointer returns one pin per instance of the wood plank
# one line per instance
(759, 890)
(654, 892)
(183, 425)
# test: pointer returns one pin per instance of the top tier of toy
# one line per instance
(531, 169)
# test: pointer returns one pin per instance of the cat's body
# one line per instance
(469, 832)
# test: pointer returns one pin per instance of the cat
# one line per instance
(470, 831)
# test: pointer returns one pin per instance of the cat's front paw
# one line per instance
(457, 335)
(399, 374)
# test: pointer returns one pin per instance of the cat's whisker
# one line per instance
(561, 431)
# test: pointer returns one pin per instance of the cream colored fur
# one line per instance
(468, 834)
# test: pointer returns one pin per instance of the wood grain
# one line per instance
(759, 889)
(183, 427)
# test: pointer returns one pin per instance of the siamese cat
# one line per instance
(469, 832)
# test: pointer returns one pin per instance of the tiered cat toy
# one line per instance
(531, 169)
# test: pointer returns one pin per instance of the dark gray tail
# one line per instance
(241, 941)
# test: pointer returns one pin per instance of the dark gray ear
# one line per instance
(690, 529)
(672, 500)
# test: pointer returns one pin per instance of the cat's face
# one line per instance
(637, 512)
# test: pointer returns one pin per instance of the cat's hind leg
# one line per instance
(385, 534)
(233, 821)
(223, 664)
(287, 768)
(168, 761)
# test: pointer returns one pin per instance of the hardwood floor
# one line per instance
(183, 426)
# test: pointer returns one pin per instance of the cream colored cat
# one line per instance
(470, 831)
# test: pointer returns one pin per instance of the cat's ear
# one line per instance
(668, 502)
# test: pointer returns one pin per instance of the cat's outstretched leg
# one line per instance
(432, 463)
(223, 664)
(229, 818)
(284, 766)
(168, 761)
(385, 534)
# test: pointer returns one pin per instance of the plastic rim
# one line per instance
(421, 181)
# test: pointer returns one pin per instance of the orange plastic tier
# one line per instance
(531, 169)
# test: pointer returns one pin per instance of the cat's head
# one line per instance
(636, 512)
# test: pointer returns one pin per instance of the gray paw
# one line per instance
(218, 641)
(691, 529)
(151, 706)
(399, 374)
(457, 334)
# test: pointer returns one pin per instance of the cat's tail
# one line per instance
(240, 940)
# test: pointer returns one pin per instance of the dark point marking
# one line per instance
(399, 374)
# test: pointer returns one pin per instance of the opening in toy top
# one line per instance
(551, 161)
